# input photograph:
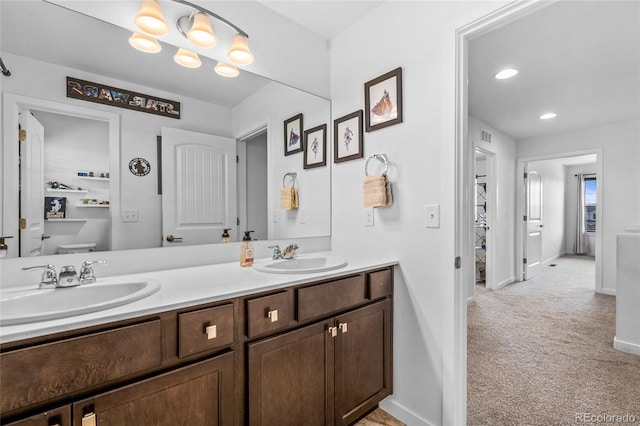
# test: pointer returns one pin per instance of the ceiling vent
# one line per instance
(485, 136)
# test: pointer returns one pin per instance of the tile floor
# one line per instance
(379, 417)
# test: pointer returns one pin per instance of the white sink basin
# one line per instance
(33, 305)
(300, 265)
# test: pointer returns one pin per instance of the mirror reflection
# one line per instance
(149, 171)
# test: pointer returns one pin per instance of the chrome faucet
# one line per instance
(49, 277)
(277, 254)
(86, 271)
(290, 251)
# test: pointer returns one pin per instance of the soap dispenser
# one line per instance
(225, 235)
(246, 250)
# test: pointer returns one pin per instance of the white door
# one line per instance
(533, 243)
(32, 186)
(198, 187)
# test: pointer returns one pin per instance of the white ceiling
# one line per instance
(580, 60)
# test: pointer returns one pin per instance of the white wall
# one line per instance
(553, 207)
(503, 227)
(419, 37)
(271, 106)
(620, 144)
(571, 216)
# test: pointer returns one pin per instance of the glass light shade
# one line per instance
(239, 52)
(226, 70)
(150, 19)
(548, 116)
(144, 43)
(201, 33)
(506, 73)
(187, 58)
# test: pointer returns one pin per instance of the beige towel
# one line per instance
(289, 198)
(376, 191)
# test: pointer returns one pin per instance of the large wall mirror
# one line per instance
(105, 174)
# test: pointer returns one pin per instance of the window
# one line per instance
(590, 186)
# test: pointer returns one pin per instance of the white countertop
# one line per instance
(190, 286)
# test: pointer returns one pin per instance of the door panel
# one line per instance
(199, 186)
(32, 185)
(533, 245)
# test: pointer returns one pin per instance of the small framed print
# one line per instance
(383, 100)
(347, 137)
(293, 130)
(315, 147)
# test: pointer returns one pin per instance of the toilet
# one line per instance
(76, 248)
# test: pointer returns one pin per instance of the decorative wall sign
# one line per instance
(55, 207)
(383, 100)
(293, 130)
(139, 166)
(107, 95)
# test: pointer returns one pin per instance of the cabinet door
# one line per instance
(290, 377)
(199, 394)
(362, 360)
(57, 417)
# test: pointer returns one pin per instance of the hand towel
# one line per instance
(289, 198)
(376, 191)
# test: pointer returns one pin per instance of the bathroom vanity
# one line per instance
(302, 350)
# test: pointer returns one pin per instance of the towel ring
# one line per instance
(380, 157)
(293, 177)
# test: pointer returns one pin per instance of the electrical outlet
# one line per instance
(432, 216)
(303, 217)
(368, 216)
(274, 216)
(130, 215)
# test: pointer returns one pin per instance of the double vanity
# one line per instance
(305, 342)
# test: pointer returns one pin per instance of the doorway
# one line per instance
(253, 177)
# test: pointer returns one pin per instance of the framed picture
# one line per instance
(315, 147)
(347, 137)
(55, 207)
(293, 130)
(383, 100)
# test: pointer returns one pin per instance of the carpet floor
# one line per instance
(540, 352)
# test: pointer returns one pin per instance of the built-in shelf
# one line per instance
(75, 191)
(92, 206)
(93, 178)
(66, 220)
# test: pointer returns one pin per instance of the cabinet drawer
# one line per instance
(268, 313)
(380, 284)
(330, 297)
(48, 371)
(205, 329)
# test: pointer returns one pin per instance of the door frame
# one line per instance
(521, 230)
(12, 104)
(242, 170)
(455, 386)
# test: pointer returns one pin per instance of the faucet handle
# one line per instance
(277, 253)
(86, 271)
(49, 275)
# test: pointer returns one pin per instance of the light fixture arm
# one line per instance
(213, 15)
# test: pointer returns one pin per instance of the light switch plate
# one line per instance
(368, 216)
(432, 216)
(130, 215)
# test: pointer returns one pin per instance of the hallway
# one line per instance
(540, 352)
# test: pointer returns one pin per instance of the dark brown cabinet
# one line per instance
(330, 372)
(56, 417)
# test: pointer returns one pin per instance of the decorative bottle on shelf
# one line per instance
(246, 250)
(225, 235)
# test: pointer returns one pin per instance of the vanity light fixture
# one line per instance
(145, 43)
(196, 27)
(226, 70)
(548, 116)
(187, 58)
(506, 73)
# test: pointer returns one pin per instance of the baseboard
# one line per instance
(630, 348)
(504, 283)
(552, 258)
(403, 414)
(607, 291)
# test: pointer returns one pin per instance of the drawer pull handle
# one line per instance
(343, 327)
(89, 419)
(273, 315)
(211, 332)
(333, 331)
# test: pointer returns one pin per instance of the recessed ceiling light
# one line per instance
(548, 116)
(506, 73)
